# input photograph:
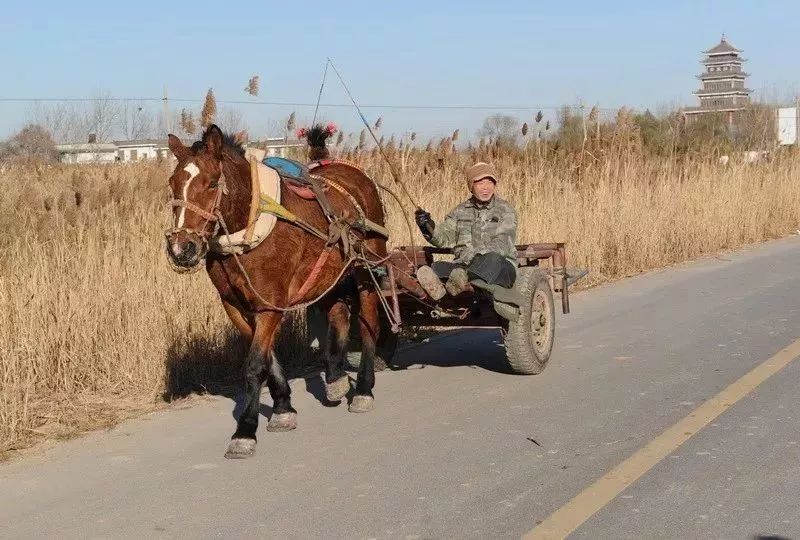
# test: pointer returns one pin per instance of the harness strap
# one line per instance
(255, 196)
(189, 205)
(365, 223)
(348, 195)
(312, 278)
(271, 206)
(322, 199)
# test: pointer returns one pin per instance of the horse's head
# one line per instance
(197, 185)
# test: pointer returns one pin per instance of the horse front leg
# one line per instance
(368, 324)
(256, 370)
(242, 322)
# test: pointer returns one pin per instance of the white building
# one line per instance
(279, 146)
(142, 149)
(151, 149)
(117, 151)
(788, 125)
(87, 152)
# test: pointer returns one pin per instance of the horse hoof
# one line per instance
(283, 422)
(241, 448)
(362, 404)
(337, 389)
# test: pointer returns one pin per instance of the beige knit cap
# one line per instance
(478, 172)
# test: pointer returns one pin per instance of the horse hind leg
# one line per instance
(337, 383)
(368, 324)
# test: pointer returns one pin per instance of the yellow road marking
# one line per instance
(589, 501)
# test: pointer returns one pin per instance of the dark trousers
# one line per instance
(490, 267)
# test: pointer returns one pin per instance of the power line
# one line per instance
(304, 104)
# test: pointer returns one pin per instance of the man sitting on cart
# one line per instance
(482, 232)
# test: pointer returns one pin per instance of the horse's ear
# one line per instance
(212, 140)
(177, 147)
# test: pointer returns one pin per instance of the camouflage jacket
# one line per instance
(474, 227)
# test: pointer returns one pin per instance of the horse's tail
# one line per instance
(318, 141)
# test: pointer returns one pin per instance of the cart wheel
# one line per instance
(529, 340)
(385, 347)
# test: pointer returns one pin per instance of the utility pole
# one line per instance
(165, 113)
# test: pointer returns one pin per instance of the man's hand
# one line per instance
(425, 223)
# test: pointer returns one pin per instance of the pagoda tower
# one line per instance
(723, 81)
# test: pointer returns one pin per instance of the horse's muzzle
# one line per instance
(185, 248)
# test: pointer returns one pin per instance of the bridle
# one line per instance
(211, 216)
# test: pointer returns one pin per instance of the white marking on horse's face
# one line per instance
(193, 171)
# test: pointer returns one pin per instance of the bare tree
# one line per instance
(135, 121)
(754, 128)
(73, 122)
(187, 122)
(31, 142)
(501, 129)
(273, 127)
(231, 120)
(102, 117)
(62, 120)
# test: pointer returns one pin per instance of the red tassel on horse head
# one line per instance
(317, 138)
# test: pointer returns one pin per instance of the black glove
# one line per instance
(425, 223)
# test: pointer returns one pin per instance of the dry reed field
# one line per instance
(95, 327)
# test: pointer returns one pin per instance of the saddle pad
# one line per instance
(255, 153)
(288, 168)
(304, 192)
(269, 183)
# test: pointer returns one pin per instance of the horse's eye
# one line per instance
(214, 184)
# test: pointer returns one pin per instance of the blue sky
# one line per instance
(504, 53)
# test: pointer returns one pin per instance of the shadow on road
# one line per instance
(200, 364)
(213, 365)
(479, 348)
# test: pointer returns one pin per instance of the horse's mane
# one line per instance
(229, 143)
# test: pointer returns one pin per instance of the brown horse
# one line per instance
(276, 269)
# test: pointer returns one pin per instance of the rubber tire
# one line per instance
(524, 356)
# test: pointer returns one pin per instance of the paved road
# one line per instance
(448, 451)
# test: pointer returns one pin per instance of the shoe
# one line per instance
(430, 282)
(457, 282)
(507, 311)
